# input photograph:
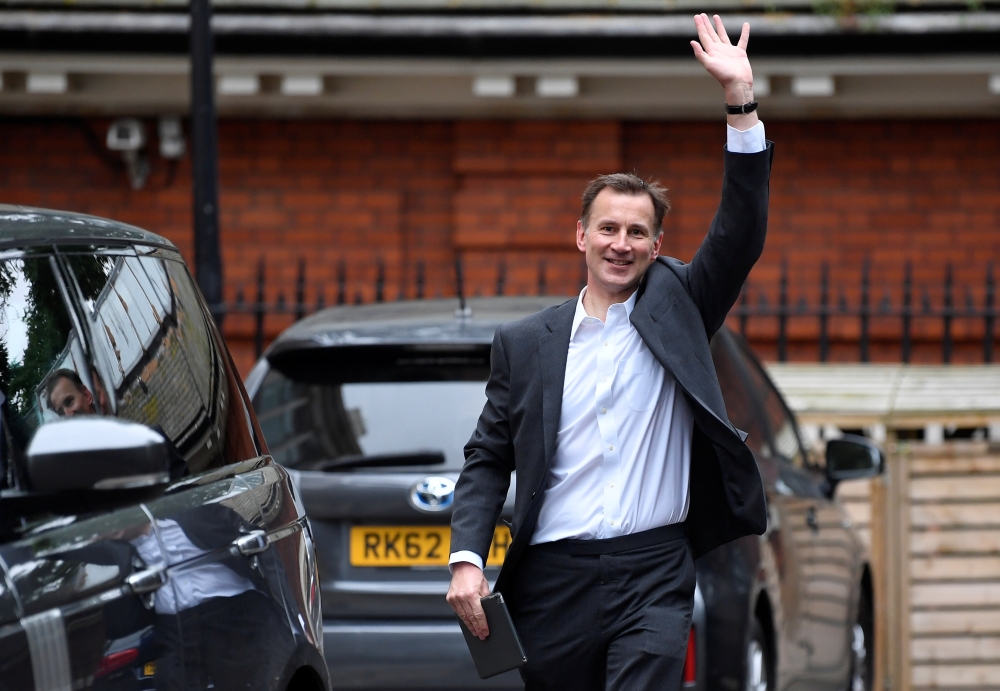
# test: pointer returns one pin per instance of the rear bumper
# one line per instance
(404, 655)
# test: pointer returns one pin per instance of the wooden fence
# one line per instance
(932, 522)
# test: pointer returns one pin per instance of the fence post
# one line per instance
(501, 275)
(300, 291)
(258, 337)
(420, 280)
(824, 312)
(380, 282)
(320, 298)
(946, 315)
(541, 277)
(865, 310)
(459, 283)
(783, 313)
(907, 310)
(341, 282)
(988, 315)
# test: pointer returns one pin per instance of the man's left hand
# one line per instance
(727, 63)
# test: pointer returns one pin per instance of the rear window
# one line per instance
(316, 407)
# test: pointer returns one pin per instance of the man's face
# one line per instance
(68, 400)
(620, 241)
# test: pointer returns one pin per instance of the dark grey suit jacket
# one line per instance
(679, 309)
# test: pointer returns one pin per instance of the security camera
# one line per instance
(171, 137)
(128, 136)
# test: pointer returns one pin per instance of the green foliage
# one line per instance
(850, 8)
(48, 328)
(92, 273)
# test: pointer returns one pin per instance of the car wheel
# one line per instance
(861, 647)
(758, 660)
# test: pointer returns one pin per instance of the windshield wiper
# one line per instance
(377, 461)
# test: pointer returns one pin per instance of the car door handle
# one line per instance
(254, 543)
(142, 582)
(811, 519)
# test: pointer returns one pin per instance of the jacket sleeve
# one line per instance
(489, 461)
(735, 239)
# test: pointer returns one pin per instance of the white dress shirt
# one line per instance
(623, 449)
(624, 441)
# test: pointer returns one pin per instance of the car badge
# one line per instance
(433, 494)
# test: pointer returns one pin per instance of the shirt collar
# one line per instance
(581, 313)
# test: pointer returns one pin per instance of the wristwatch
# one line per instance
(743, 109)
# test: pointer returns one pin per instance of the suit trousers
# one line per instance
(614, 622)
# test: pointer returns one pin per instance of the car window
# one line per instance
(740, 402)
(155, 358)
(380, 401)
(37, 341)
(784, 430)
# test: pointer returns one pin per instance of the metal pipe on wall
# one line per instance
(205, 153)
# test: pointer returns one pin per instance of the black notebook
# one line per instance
(501, 651)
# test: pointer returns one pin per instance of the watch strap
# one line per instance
(742, 109)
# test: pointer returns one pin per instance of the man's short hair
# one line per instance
(54, 378)
(628, 183)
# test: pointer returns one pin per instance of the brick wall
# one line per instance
(409, 193)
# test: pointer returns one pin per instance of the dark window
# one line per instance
(155, 357)
(782, 424)
(324, 405)
(39, 350)
(741, 406)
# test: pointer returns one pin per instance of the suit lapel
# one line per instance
(553, 348)
(658, 325)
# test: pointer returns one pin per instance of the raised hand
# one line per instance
(727, 63)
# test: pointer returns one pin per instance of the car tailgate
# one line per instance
(337, 502)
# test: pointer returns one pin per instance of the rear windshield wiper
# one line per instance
(376, 461)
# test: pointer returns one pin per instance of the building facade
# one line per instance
(369, 150)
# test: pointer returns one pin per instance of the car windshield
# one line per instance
(393, 402)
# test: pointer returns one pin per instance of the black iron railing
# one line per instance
(895, 314)
(902, 310)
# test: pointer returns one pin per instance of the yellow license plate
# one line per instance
(409, 545)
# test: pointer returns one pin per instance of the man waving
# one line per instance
(609, 409)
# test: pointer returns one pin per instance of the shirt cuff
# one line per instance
(749, 141)
(465, 555)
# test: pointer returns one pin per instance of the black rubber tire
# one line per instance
(862, 646)
(758, 673)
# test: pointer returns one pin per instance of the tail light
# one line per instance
(115, 661)
(691, 661)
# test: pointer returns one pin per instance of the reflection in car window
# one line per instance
(155, 356)
(306, 423)
(37, 340)
(739, 401)
(783, 427)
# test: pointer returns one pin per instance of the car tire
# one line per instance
(759, 667)
(862, 642)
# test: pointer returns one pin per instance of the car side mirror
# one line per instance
(851, 458)
(102, 453)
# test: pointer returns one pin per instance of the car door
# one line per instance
(76, 603)
(786, 546)
(160, 362)
(822, 530)
(86, 617)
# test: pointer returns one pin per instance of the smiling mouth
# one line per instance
(619, 262)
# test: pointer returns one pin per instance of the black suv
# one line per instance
(372, 405)
(147, 539)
